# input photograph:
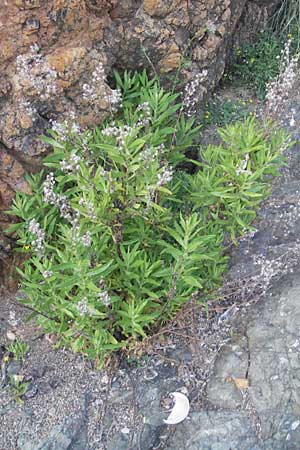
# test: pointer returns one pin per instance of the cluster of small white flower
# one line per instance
(90, 210)
(103, 295)
(114, 99)
(211, 26)
(33, 68)
(64, 207)
(47, 274)
(75, 128)
(193, 93)
(165, 176)
(146, 115)
(279, 90)
(86, 239)
(61, 128)
(148, 155)
(243, 166)
(90, 91)
(93, 91)
(72, 165)
(65, 130)
(58, 200)
(119, 133)
(104, 298)
(48, 189)
(39, 236)
(104, 173)
(85, 143)
(83, 307)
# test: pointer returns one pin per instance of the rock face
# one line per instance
(265, 415)
(52, 53)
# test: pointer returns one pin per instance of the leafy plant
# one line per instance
(222, 112)
(255, 64)
(235, 176)
(19, 350)
(18, 387)
(118, 236)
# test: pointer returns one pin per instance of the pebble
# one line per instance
(14, 368)
(31, 392)
(295, 425)
(11, 336)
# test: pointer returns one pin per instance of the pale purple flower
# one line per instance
(47, 274)
(39, 236)
(87, 239)
(104, 298)
(165, 176)
(83, 307)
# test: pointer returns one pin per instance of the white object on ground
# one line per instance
(180, 409)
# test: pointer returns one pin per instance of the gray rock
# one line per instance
(14, 368)
(71, 435)
(267, 415)
(31, 392)
(120, 442)
(214, 430)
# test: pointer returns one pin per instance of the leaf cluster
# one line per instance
(141, 235)
(256, 63)
(19, 349)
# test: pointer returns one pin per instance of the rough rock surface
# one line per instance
(266, 353)
(50, 49)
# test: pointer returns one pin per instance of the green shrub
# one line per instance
(118, 235)
(255, 64)
(222, 112)
(19, 350)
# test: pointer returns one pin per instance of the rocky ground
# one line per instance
(237, 360)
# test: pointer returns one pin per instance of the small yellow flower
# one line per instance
(290, 36)
(250, 101)
(244, 103)
(26, 247)
(5, 358)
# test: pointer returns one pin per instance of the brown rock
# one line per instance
(172, 60)
(25, 4)
(11, 172)
(66, 61)
(5, 87)
(159, 8)
(6, 196)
